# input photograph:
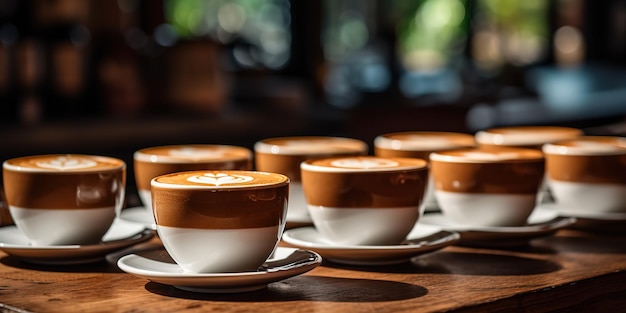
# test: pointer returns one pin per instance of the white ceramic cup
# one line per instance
(588, 174)
(493, 187)
(64, 199)
(220, 221)
(364, 200)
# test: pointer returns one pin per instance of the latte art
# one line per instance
(193, 153)
(219, 179)
(364, 163)
(492, 156)
(67, 163)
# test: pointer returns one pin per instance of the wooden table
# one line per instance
(572, 271)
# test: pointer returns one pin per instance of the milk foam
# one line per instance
(63, 163)
(364, 163)
(522, 137)
(219, 179)
(191, 153)
(421, 142)
(587, 148)
(309, 146)
(66, 163)
(484, 156)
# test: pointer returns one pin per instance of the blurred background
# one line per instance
(110, 77)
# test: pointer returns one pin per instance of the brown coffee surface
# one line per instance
(499, 171)
(193, 153)
(64, 163)
(420, 144)
(243, 199)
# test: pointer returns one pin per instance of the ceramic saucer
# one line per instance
(139, 215)
(541, 223)
(122, 234)
(596, 221)
(421, 240)
(158, 267)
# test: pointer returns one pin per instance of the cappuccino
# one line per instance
(487, 187)
(588, 173)
(64, 199)
(220, 220)
(345, 193)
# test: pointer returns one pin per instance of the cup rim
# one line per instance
(276, 184)
(265, 145)
(6, 165)
(418, 165)
(451, 157)
(384, 141)
(142, 154)
(491, 136)
(560, 148)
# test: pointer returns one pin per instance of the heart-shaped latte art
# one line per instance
(219, 179)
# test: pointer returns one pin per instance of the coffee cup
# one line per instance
(155, 161)
(215, 221)
(284, 154)
(364, 200)
(64, 199)
(588, 174)
(487, 187)
(420, 144)
(532, 137)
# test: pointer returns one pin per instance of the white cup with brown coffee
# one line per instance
(420, 144)
(364, 200)
(220, 220)
(64, 199)
(155, 161)
(487, 187)
(284, 154)
(588, 174)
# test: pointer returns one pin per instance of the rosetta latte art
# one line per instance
(67, 163)
(219, 179)
(364, 163)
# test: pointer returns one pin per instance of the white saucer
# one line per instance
(593, 221)
(139, 215)
(158, 267)
(422, 239)
(565, 211)
(541, 223)
(122, 234)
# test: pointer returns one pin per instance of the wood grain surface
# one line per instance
(573, 271)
